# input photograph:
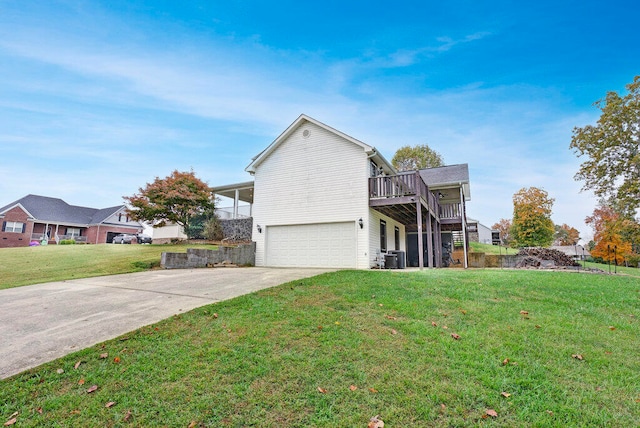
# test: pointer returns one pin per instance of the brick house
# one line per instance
(45, 220)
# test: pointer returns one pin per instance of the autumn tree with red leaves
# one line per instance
(566, 235)
(608, 227)
(504, 227)
(178, 199)
(532, 225)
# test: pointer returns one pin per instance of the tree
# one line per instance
(418, 157)
(532, 225)
(608, 227)
(565, 235)
(177, 198)
(504, 227)
(612, 147)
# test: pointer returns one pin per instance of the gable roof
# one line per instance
(46, 209)
(370, 150)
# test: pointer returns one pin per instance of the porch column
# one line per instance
(419, 220)
(464, 229)
(235, 203)
(429, 240)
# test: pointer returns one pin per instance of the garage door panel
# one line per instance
(312, 245)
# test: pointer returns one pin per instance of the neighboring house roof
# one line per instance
(448, 176)
(46, 209)
(370, 150)
(570, 250)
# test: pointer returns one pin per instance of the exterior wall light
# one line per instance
(361, 223)
(259, 228)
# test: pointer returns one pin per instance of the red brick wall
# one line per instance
(93, 231)
(12, 239)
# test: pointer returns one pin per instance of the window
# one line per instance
(13, 226)
(73, 232)
(396, 235)
(383, 235)
(374, 169)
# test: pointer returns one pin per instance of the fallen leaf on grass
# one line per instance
(524, 313)
(60, 371)
(93, 388)
(353, 387)
(492, 413)
(103, 356)
(463, 312)
(193, 424)
(110, 404)
(505, 394)
(81, 382)
(455, 336)
(443, 407)
(322, 390)
(389, 317)
(375, 422)
(11, 422)
(434, 324)
(215, 315)
(116, 360)
(75, 412)
(373, 390)
(77, 365)
(445, 327)
(14, 414)
(578, 357)
(611, 328)
(505, 361)
(127, 416)
(39, 410)
(393, 331)
(537, 326)
(550, 412)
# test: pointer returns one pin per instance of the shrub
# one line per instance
(67, 242)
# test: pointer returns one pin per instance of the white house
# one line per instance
(322, 198)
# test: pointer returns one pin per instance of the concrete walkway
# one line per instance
(39, 323)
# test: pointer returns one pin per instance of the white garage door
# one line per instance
(312, 245)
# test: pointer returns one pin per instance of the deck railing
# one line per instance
(403, 184)
(450, 211)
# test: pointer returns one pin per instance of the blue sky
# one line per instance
(98, 98)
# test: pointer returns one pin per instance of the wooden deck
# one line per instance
(396, 196)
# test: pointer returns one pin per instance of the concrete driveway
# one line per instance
(39, 323)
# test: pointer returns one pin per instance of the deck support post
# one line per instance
(429, 240)
(464, 229)
(419, 221)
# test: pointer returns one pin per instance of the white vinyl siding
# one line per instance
(322, 178)
(312, 245)
(374, 234)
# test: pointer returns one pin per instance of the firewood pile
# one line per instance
(530, 255)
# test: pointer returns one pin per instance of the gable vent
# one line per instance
(306, 133)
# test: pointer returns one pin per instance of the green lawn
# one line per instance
(32, 265)
(540, 349)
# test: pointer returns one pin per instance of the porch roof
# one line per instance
(245, 191)
(448, 177)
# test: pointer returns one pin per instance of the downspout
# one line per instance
(98, 234)
(464, 227)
